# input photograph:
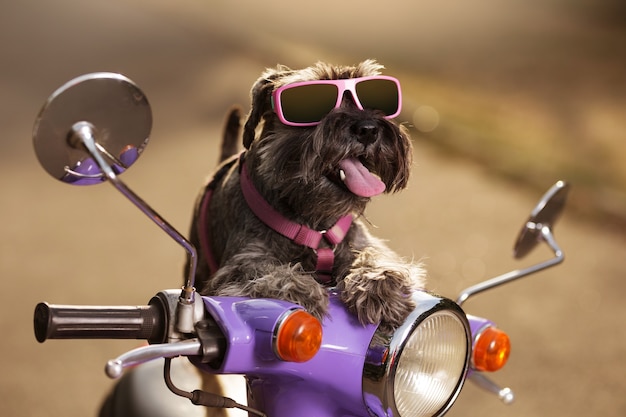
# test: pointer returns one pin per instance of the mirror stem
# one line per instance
(546, 236)
(82, 136)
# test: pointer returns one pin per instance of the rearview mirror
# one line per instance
(545, 214)
(117, 112)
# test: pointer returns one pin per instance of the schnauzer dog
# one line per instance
(284, 218)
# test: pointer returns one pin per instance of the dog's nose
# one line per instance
(365, 131)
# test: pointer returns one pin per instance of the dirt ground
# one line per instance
(72, 245)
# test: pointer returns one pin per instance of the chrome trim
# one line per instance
(384, 351)
(506, 394)
(277, 326)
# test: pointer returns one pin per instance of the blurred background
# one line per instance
(503, 98)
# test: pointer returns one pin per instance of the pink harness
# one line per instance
(298, 233)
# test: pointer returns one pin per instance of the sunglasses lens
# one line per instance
(308, 103)
(378, 94)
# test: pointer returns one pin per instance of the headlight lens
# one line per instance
(420, 369)
(430, 365)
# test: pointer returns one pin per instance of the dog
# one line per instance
(317, 176)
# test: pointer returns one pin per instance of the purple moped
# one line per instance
(91, 130)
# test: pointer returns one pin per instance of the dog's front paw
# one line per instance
(384, 298)
(282, 282)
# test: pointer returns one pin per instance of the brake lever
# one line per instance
(115, 367)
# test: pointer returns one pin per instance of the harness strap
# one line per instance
(202, 227)
(298, 233)
(204, 233)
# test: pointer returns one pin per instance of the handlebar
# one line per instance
(154, 322)
(100, 322)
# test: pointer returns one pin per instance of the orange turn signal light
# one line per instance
(491, 350)
(299, 337)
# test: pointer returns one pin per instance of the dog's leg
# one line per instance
(256, 274)
(379, 285)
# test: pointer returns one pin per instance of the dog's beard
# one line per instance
(319, 173)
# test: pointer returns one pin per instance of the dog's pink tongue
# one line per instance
(359, 180)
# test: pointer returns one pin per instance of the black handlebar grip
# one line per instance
(99, 322)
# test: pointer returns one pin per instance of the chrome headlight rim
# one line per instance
(384, 353)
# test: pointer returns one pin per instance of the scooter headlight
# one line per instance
(420, 369)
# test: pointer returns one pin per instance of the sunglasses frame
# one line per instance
(343, 85)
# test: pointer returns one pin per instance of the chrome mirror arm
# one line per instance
(537, 229)
(83, 135)
(545, 235)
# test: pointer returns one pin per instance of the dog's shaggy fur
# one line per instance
(296, 170)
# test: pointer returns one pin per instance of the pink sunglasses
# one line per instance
(306, 103)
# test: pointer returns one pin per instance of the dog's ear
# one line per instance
(261, 94)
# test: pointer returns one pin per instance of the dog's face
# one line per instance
(318, 173)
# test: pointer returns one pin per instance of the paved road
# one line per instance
(89, 246)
